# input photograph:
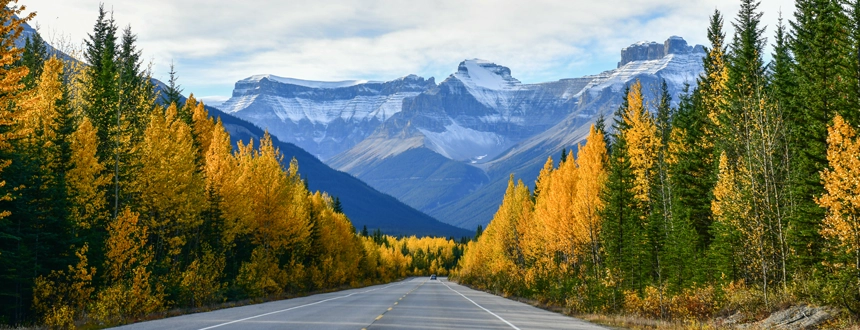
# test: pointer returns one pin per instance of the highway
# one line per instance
(416, 303)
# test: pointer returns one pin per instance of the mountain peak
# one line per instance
(306, 83)
(650, 50)
(485, 74)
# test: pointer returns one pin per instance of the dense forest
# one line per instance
(744, 197)
(121, 202)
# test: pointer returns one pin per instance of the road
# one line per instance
(416, 303)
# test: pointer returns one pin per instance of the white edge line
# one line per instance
(481, 307)
(297, 307)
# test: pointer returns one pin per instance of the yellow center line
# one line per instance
(378, 317)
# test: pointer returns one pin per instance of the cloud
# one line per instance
(215, 43)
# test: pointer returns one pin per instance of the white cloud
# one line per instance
(215, 43)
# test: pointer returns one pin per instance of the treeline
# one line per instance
(114, 207)
(745, 195)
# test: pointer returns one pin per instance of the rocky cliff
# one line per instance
(648, 51)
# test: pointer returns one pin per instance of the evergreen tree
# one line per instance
(33, 58)
(14, 296)
(101, 94)
(133, 86)
(622, 232)
(820, 44)
(173, 93)
(337, 206)
(782, 77)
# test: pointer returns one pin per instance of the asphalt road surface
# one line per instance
(416, 303)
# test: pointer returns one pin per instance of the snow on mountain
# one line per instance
(448, 149)
(465, 144)
(310, 83)
(324, 118)
(676, 69)
(488, 82)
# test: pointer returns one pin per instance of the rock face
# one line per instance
(797, 318)
(324, 118)
(647, 51)
(449, 149)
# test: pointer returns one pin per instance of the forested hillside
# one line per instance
(741, 199)
(114, 208)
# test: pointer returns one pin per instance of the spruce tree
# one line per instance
(782, 78)
(33, 58)
(821, 45)
(101, 92)
(620, 233)
(132, 85)
(173, 93)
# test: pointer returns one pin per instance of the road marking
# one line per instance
(378, 317)
(389, 308)
(482, 307)
(297, 307)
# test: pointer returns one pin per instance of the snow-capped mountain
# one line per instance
(448, 149)
(323, 118)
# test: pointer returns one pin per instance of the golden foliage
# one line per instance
(201, 281)
(842, 190)
(10, 76)
(170, 187)
(643, 143)
(262, 276)
(61, 298)
(36, 118)
(131, 293)
(275, 205)
(85, 181)
(698, 303)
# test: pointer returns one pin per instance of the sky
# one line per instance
(214, 43)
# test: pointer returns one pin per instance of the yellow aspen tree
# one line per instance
(200, 282)
(841, 197)
(554, 211)
(11, 27)
(713, 84)
(170, 187)
(62, 298)
(85, 180)
(588, 205)
(333, 244)
(223, 176)
(36, 117)
(276, 215)
(534, 235)
(501, 240)
(131, 293)
(731, 211)
(642, 143)
(279, 206)
(203, 127)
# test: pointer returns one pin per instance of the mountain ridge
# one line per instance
(481, 124)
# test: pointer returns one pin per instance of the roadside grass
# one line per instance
(804, 304)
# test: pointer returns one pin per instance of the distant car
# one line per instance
(433, 277)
